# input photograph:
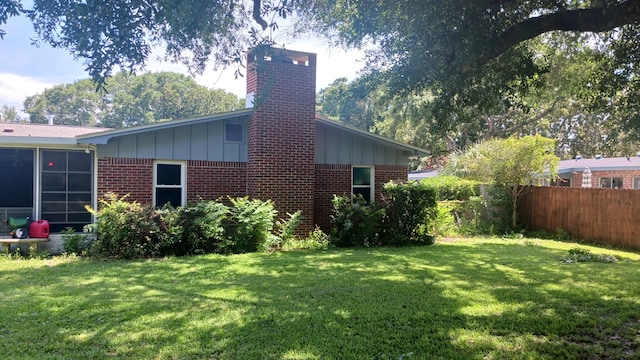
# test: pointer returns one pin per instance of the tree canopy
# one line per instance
(127, 101)
(576, 100)
(452, 36)
(508, 163)
(474, 61)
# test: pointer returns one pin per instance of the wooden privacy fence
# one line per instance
(605, 216)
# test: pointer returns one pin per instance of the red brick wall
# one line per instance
(626, 175)
(211, 180)
(336, 179)
(384, 173)
(205, 179)
(281, 134)
(330, 180)
(126, 176)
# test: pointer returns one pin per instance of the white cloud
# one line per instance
(14, 89)
(331, 64)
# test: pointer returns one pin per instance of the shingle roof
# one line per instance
(39, 134)
(46, 131)
(12, 133)
(602, 164)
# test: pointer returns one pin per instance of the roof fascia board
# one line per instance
(592, 168)
(32, 140)
(103, 137)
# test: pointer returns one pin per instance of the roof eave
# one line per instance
(32, 140)
(103, 137)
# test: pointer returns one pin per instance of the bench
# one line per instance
(33, 243)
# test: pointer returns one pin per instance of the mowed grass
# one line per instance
(461, 299)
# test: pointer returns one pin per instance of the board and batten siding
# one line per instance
(334, 146)
(203, 141)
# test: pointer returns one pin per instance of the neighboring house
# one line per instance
(279, 149)
(612, 173)
(422, 174)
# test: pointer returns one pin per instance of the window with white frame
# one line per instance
(611, 182)
(169, 183)
(636, 183)
(362, 182)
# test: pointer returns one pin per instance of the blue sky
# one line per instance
(27, 70)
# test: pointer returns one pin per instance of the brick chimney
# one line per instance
(281, 132)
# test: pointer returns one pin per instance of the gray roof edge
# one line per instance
(414, 149)
(33, 140)
(603, 168)
(103, 137)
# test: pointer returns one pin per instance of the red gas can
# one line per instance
(39, 229)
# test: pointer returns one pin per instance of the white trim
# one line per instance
(183, 180)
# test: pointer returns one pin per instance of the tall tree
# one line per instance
(128, 100)
(9, 114)
(509, 164)
(475, 57)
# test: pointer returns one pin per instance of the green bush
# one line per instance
(129, 229)
(409, 213)
(404, 215)
(248, 226)
(452, 188)
(200, 229)
(317, 240)
(75, 243)
(355, 222)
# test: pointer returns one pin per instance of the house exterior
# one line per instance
(278, 149)
(610, 173)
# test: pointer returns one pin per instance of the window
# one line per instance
(561, 182)
(636, 183)
(233, 132)
(168, 184)
(16, 178)
(67, 183)
(362, 182)
(611, 183)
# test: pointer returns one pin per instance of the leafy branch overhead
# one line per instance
(459, 33)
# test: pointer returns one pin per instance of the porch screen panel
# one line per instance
(16, 178)
(66, 188)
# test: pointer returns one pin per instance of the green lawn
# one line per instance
(467, 299)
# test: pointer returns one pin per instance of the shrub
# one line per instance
(286, 230)
(129, 229)
(200, 229)
(409, 213)
(248, 226)
(577, 255)
(75, 243)
(452, 188)
(317, 240)
(355, 223)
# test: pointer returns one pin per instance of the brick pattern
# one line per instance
(211, 180)
(126, 176)
(385, 173)
(330, 180)
(336, 180)
(626, 175)
(281, 135)
(207, 180)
